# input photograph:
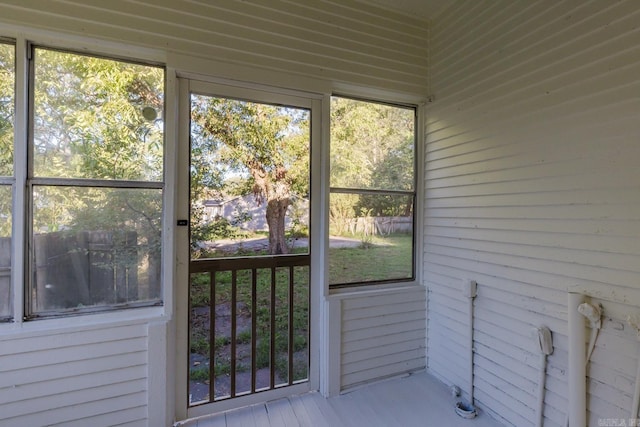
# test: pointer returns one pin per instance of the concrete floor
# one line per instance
(413, 400)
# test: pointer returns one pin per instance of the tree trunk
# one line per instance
(276, 214)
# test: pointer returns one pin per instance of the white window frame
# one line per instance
(33, 181)
(364, 96)
(23, 40)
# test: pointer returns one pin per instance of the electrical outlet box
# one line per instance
(545, 340)
(470, 288)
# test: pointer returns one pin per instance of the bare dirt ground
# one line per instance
(199, 390)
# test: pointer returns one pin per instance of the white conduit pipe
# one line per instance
(577, 363)
(541, 382)
(471, 298)
(469, 411)
(594, 314)
(543, 334)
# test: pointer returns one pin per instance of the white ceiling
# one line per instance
(427, 9)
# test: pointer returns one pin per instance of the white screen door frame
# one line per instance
(312, 103)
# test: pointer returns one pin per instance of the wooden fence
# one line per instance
(383, 225)
(5, 276)
(85, 269)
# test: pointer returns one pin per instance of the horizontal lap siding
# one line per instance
(99, 377)
(382, 336)
(532, 187)
(96, 377)
(330, 40)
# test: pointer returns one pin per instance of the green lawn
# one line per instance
(384, 258)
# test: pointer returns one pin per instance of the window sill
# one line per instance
(133, 316)
(372, 289)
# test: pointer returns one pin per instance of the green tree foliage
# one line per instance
(89, 122)
(371, 145)
(372, 148)
(7, 84)
(267, 145)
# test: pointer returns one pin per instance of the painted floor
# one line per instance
(414, 400)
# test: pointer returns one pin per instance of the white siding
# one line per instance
(102, 375)
(96, 376)
(330, 40)
(383, 334)
(532, 188)
(614, 364)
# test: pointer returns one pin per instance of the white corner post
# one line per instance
(577, 365)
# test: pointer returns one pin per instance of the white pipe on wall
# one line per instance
(469, 289)
(545, 344)
(577, 363)
(471, 293)
(541, 381)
